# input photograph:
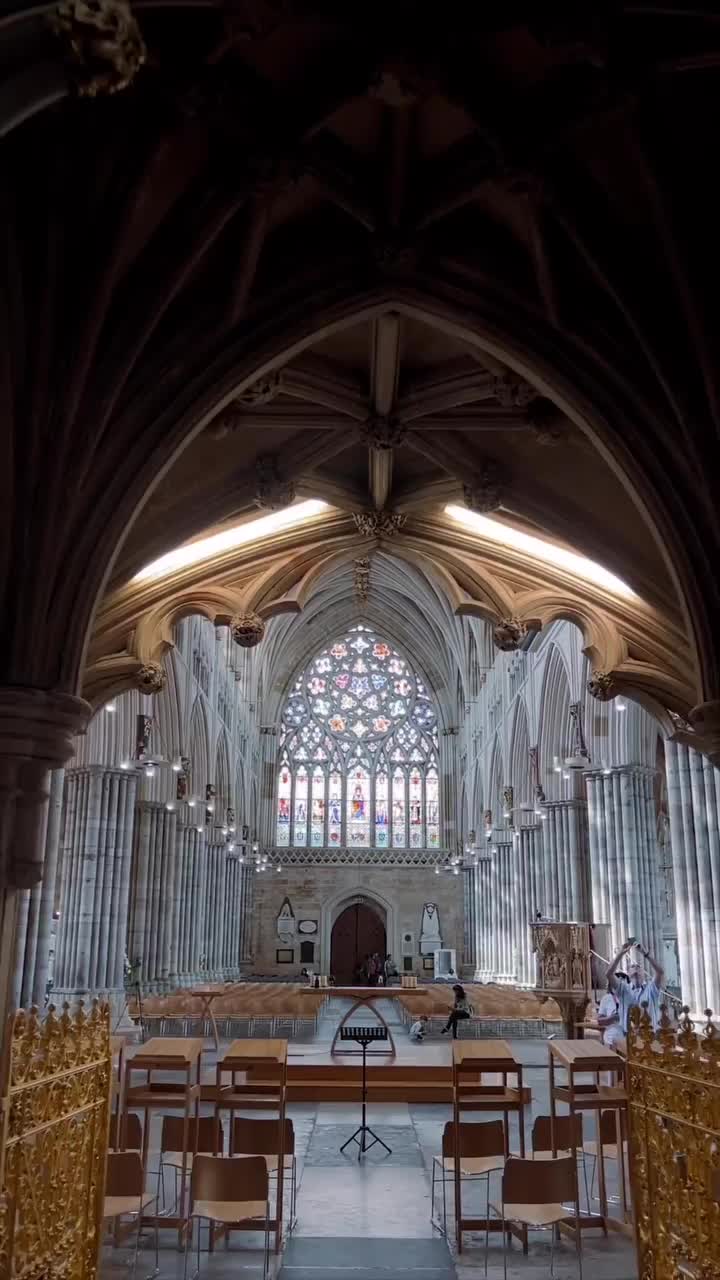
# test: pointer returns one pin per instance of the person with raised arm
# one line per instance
(637, 991)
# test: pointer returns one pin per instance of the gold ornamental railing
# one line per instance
(54, 1118)
(674, 1122)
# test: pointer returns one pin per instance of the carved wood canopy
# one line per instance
(385, 255)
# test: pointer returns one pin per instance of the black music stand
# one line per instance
(363, 1036)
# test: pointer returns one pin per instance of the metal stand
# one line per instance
(363, 1036)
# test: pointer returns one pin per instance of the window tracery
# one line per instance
(358, 751)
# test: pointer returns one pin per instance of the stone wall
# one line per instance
(321, 893)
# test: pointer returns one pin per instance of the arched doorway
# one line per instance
(358, 931)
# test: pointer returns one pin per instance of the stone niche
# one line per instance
(321, 893)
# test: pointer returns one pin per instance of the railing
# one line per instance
(674, 1124)
(54, 1120)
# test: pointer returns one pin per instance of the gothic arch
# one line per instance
(221, 779)
(554, 720)
(358, 762)
(496, 783)
(520, 776)
(199, 749)
(332, 907)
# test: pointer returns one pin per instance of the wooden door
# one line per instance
(357, 932)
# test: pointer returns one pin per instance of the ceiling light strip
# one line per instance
(237, 536)
(538, 549)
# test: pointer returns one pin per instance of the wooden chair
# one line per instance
(204, 1135)
(252, 1137)
(125, 1195)
(533, 1195)
(568, 1140)
(481, 1151)
(608, 1138)
(231, 1192)
(128, 1128)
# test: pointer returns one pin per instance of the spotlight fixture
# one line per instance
(177, 765)
(619, 705)
(111, 706)
(150, 771)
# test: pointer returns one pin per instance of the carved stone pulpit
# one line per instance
(565, 967)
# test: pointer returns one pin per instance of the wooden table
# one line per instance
(579, 1058)
(361, 997)
(208, 995)
(477, 1058)
(180, 1056)
(268, 1093)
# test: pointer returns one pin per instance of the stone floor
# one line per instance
(371, 1218)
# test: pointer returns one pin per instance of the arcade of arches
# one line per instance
(359, 528)
(188, 818)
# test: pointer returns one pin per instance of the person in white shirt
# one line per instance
(417, 1030)
(636, 992)
(609, 1017)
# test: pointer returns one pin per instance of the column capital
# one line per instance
(705, 720)
(639, 770)
(37, 734)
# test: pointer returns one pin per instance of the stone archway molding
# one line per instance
(334, 906)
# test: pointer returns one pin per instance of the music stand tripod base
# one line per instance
(363, 1036)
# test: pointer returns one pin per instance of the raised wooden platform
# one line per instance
(334, 1082)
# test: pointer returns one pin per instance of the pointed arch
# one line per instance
(520, 777)
(359, 750)
(199, 749)
(221, 776)
(496, 782)
(554, 720)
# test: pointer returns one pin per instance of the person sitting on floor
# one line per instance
(418, 1029)
(462, 1009)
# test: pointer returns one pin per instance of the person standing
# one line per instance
(637, 992)
(608, 1016)
(460, 1012)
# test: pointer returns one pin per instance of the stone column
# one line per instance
(485, 917)
(152, 931)
(624, 869)
(215, 858)
(37, 735)
(41, 961)
(96, 852)
(566, 860)
(528, 855)
(694, 804)
(190, 942)
(469, 918)
(265, 817)
(503, 911)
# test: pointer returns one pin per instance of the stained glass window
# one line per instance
(359, 750)
(301, 803)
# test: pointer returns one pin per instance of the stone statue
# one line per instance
(430, 937)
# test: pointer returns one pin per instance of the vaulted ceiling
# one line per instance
(389, 256)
